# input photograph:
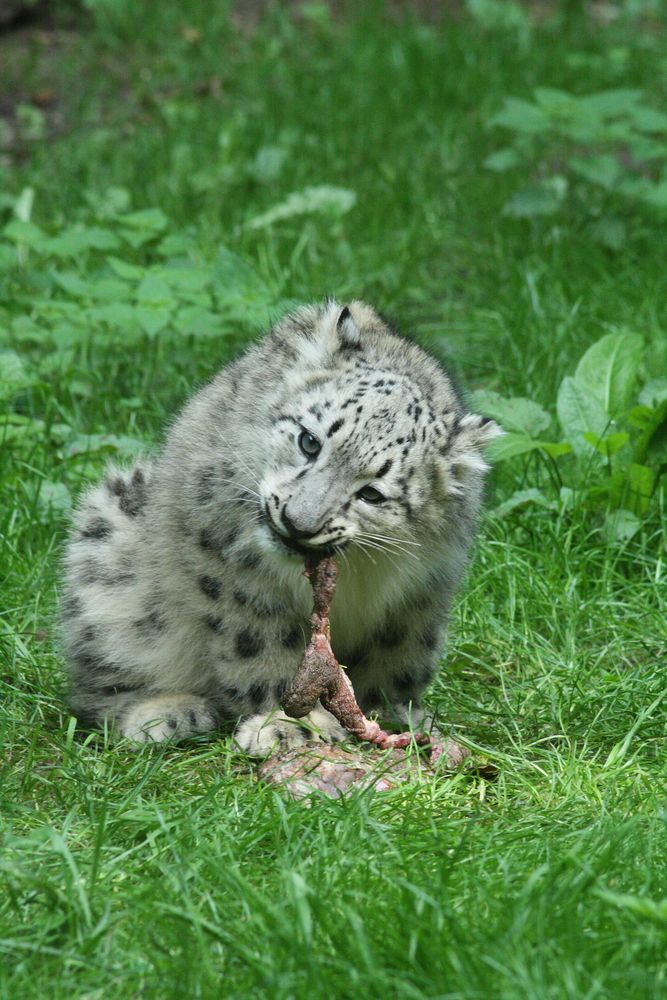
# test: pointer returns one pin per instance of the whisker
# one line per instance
(241, 486)
(391, 538)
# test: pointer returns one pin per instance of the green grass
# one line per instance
(170, 872)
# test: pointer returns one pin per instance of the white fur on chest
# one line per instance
(367, 591)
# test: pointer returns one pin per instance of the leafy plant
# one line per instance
(611, 140)
(121, 277)
(612, 450)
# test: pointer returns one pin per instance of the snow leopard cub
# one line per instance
(185, 600)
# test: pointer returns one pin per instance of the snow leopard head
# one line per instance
(370, 445)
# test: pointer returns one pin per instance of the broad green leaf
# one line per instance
(155, 292)
(523, 498)
(28, 233)
(648, 119)
(641, 417)
(555, 448)
(644, 148)
(608, 370)
(110, 290)
(53, 498)
(654, 194)
(580, 412)
(611, 103)
(115, 314)
(185, 279)
(14, 375)
(328, 200)
(513, 414)
(73, 283)
(150, 220)
(621, 525)
(512, 445)
(502, 160)
(138, 228)
(610, 232)
(268, 163)
(630, 488)
(198, 322)
(16, 427)
(23, 204)
(521, 116)
(503, 15)
(603, 169)
(73, 242)
(654, 392)
(123, 269)
(84, 444)
(242, 294)
(174, 245)
(556, 102)
(609, 444)
(152, 317)
(543, 198)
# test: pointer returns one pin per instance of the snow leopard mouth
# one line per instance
(291, 546)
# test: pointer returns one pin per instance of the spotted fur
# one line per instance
(185, 600)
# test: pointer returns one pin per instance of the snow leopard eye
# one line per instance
(309, 444)
(370, 495)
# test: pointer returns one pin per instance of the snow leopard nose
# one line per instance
(294, 530)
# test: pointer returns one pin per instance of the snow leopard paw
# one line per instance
(167, 717)
(259, 735)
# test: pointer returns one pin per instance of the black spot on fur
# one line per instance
(114, 689)
(205, 484)
(71, 606)
(372, 699)
(89, 634)
(292, 638)
(97, 529)
(257, 694)
(150, 623)
(385, 469)
(249, 643)
(356, 657)
(230, 536)
(336, 426)
(240, 597)
(429, 637)
(209, 586)
(94, 572)
(172, 724)
(133, 499)
(215, 624)
(391, 635)
(116, 485)
(89, 663)
(210, 542)
(250, 559)
(280, 689)
(405, 685)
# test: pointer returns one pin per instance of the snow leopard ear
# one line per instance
(461, 453)
(475, 431)
(349, 337)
